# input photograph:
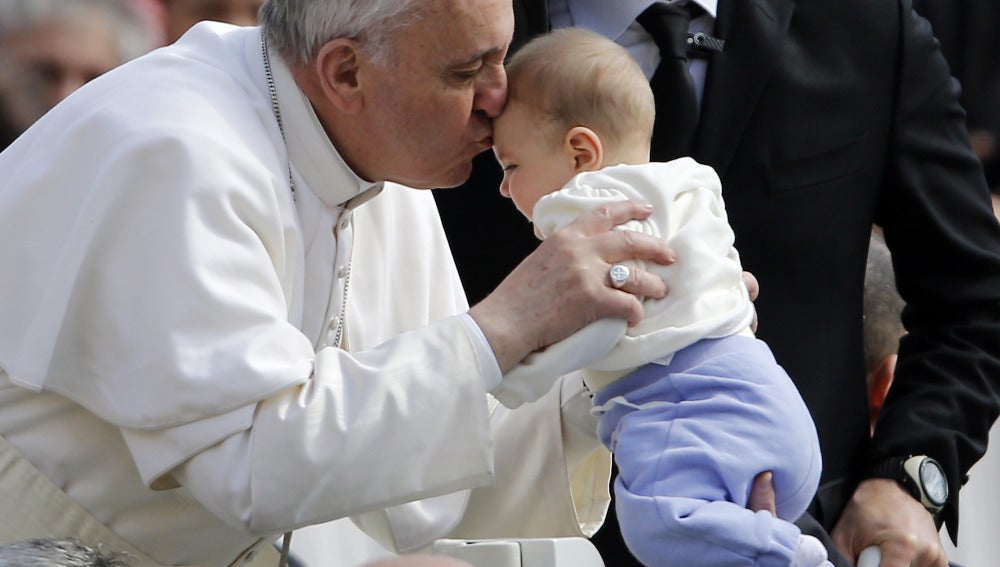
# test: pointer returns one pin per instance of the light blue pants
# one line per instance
(690, 437)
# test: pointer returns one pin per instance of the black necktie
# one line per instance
(673, 87)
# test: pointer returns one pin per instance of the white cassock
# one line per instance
(170, 312)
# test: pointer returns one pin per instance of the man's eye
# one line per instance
(467, 74)
(510, 167)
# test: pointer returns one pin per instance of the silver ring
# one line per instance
(619, 274)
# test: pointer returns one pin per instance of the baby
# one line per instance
(690, 403)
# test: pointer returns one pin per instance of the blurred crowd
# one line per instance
(50, 48)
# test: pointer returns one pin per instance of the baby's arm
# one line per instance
(539, 371)
(536, 374)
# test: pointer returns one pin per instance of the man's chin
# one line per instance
(455, 177)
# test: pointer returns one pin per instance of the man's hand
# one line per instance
(882, 513)
(564, 284)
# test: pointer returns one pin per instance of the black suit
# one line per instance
(969, 32)
(821, 118)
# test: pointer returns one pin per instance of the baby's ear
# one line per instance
(584, 146)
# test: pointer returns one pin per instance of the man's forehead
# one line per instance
(490, 22)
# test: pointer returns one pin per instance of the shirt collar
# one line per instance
(310, 151)
(612, 18)
(711, 7)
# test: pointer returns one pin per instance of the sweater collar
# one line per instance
(310, 151)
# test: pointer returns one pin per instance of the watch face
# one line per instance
(935, 484)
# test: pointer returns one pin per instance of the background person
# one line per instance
(883, 327)
(180, 15)
(815, 142)
(67, 44)
(19, 101)
(969, 32)
(56, 552)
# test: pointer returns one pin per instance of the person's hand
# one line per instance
(564, 285)
(762, 493)
(753, 287)
(882, 513)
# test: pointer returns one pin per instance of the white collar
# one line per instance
(310, 151)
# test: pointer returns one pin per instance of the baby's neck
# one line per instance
(633, 154)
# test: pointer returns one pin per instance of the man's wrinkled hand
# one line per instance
(564, 285)
(881, 513)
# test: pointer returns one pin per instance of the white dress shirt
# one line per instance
(616, 21)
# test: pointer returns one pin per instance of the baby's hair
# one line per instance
(575, 77)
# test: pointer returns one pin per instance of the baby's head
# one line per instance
(576, 102)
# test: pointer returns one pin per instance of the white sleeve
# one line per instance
(300, 472)
(538, 493)
(370, 430)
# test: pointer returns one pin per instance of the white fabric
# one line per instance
(707, 297)
(34, 507)
(336, 544)
(170, 312)
(810, 553)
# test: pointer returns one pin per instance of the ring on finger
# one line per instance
(619, 274)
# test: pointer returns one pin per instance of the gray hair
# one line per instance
(131, 35)
(298, 28)
(54, 552)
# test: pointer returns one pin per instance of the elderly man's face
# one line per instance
(431, 104)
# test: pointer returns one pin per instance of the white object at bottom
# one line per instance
(870, 556)
(530, 552)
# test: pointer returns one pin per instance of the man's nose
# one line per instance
(491, 93)
(505, 187)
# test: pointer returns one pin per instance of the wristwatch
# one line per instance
(921, 476)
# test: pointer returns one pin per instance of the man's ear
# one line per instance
(583, 146)
(337, 67)
(879, 382)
